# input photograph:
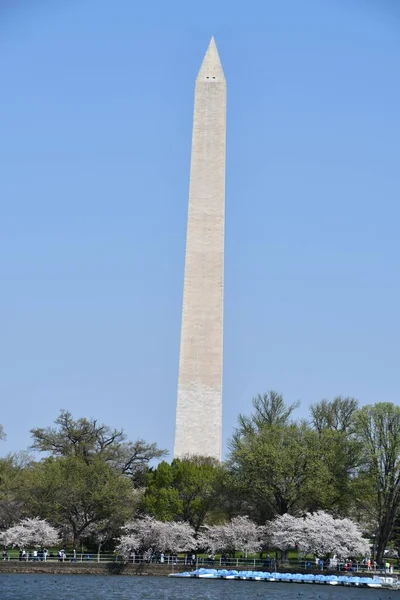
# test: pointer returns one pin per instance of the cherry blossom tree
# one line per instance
(327, 535)
(179, 537)
(139, 536)
(30, 533)
(142, 535)
(286, 532)
(319, 533)
(240, 534)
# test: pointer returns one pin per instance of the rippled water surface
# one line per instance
(93, 587)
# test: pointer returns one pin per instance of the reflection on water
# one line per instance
(93, 587)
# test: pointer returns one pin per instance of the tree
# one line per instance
(339, 449)
(178, 536)
(378, 429)
(148, 534)
(12, 472)
(185, 490)
(240, 534)
(269, 409)
(320, 534)
(232, 496)
(325, 535)
(86, 438)
(280, 467)
(75, 494)
(2, 434)
(30, 532)
(336, 415)
(285, 532)
(102, 533)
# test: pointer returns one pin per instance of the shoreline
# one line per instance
(116, 568)
(82, 568)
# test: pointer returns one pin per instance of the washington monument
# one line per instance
(199, 405)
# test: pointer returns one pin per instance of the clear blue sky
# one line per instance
(95, 118)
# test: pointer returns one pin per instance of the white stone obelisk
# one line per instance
(199, 405)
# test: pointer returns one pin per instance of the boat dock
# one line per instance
(343, 580)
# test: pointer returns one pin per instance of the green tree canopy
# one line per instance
(378, 428)
(339, 449)
(86, 438)
(184, 490)
(268, 409)
(280, 467)
(12, 473)
(334, 415)
(76, 494)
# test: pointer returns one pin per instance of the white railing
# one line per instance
(269, 564)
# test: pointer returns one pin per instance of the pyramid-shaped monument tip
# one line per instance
(211, 68)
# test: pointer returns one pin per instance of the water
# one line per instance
(93, 587)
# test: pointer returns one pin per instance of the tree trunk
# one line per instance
(75, 539)
(75, 536)
(383, 537)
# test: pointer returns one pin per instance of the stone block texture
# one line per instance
(199, 404)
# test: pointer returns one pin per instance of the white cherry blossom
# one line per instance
(29, 532)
